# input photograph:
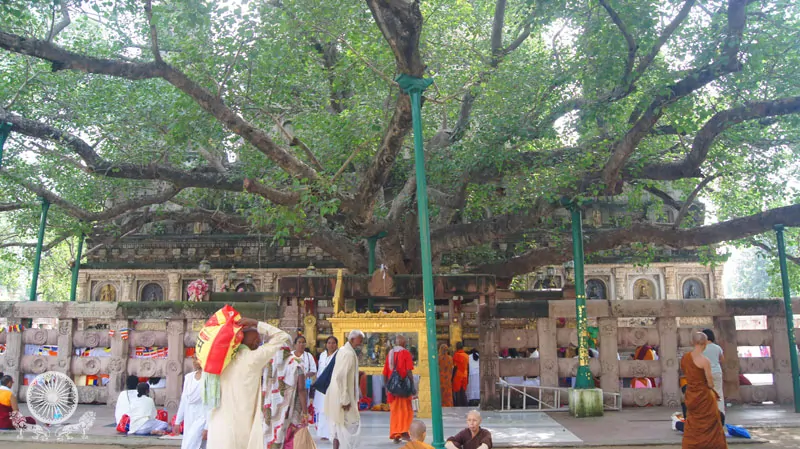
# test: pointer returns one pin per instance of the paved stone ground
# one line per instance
(773, 427)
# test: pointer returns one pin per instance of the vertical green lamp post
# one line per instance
(76, 267)
(414, 87)
(787, 303)
(39, 244)
(584, 377)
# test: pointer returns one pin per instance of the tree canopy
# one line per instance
(283, 117)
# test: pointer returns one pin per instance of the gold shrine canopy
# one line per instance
(380, 329)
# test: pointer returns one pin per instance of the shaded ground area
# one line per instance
(773, 427)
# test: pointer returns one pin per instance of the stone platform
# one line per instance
(631, 427)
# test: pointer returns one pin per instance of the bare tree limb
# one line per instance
(148, 9)
(100, 166)
(65, 60)
(45, 248)
(689, 167)
(273, 195)
(773, 251)
(61, 24)
(645, 62)
(690, 200)
(735, 229)
(632, 47)
(727, 63)
(8, 207)
(109, 213)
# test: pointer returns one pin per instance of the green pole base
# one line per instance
(584, 379)
(585, 403)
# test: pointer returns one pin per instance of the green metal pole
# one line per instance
(5, 130)
(414, 87)
(39, 244)
(787, 304)
(584, 376)
(76, 267)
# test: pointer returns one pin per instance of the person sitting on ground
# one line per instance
(417, 432)
(8, 404)
(123, 406)
(473, 437)
(143, 414)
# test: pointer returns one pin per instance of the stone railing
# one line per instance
(171, 325)
(625, 325)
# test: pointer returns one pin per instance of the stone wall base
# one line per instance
(585, 403)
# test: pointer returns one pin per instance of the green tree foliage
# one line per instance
(282, 117)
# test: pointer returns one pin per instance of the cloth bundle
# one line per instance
(216, 345)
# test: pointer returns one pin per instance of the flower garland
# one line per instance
(197, 290)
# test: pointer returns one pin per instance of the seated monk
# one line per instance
(417, 432)
(473, 437)
(9, 405)
(703, 428)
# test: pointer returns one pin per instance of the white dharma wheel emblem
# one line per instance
(52, 397)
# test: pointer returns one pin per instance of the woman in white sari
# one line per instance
(191, 411)
(285, 399)
(323, 430)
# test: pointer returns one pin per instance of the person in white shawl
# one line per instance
(238, 421)
(285, 399)
(341, 399)
(323, 430)
(191, 411)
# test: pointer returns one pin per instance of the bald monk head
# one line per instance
(400, 340)
(417, 431)
(699, 340)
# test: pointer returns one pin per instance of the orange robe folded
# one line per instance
(703, 428)
(401, 413)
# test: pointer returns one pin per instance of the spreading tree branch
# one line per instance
(690, 200)
(148, 9)
(632, 47)
(773, 251)
(645, 62)
(735, 229)
(61, 24)
(62, 59)
(689, 167)
(727, 63)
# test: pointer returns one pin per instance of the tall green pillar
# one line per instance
(76, 267)
(5, 130)
(584, 377)
(787, 304)
(39, 244)
(414, 87)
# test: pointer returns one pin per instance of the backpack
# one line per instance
(324, 379)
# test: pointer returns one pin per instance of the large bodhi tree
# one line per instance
(282, 117)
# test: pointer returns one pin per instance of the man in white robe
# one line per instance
(192, 412)
(237, 422)
(341, 399)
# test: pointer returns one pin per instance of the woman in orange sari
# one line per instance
(446, 375)
(703, 427)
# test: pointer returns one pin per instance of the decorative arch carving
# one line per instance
(694, 288)
(105, 291)
(151, 292)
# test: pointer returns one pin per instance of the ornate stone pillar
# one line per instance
(620, 276)
(609, 373)
(83, 292)
(781, 367)
(725, 328)
(118, 365)
(489, 330)
(668, 355)
(716, 274)
(66, 328)
(175, 358)
(13, 354)
(127, 289)
(175, 293)
(671, 282)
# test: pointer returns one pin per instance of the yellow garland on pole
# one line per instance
(337, 295)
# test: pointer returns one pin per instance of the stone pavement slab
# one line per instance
(632, 427)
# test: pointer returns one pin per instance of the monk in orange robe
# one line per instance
(461, 376)
(703, 428)
(446, 375)
(401, 412)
